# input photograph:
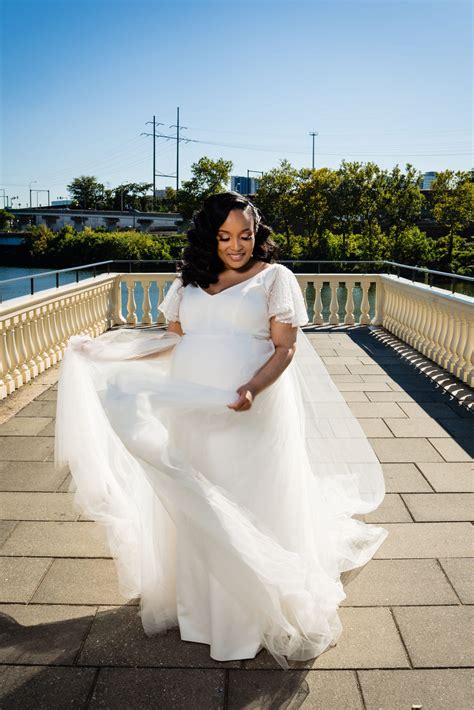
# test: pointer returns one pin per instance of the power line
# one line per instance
(116, 161)
(302, 152)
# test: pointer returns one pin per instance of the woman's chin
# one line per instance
(232, 263)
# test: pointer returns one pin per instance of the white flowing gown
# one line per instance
(235, 526)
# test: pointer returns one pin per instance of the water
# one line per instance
(22, 288)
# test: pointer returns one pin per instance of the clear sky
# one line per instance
(388, 81)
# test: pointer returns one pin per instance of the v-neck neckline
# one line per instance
(223, 290)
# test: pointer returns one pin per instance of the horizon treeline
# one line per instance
(358, 211)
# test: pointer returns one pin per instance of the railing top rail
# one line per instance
(425, 270)
(409, 267)
(57, 271)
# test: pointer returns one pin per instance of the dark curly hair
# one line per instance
(200, 264)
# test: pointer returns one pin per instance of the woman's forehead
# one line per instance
(238, 218)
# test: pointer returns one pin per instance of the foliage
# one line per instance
(363, 212)
(275, 199)
(358, 211)
(208, 177)
(70, 248)
(88, 193)
(6, 219)
(453, 207)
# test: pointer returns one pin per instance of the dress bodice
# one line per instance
(244, 308)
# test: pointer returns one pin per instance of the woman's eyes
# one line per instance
(226, 239)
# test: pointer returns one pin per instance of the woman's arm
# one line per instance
(284, 338)
(175, 327)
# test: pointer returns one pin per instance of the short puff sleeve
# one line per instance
(285, 298)
(169, 306)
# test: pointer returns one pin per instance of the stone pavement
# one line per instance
(70, 641)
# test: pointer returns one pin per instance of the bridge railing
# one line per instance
(34, 329)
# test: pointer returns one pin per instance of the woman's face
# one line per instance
(236, 239)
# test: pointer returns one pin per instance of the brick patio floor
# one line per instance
(69, 640)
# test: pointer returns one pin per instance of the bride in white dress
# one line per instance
(219, 456)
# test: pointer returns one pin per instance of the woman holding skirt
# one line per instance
(220, 456)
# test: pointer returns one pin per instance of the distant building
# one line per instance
(244, 185)
(427, 180)
(61, 203)
(56, 218)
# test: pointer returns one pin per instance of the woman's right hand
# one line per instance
(175, 327)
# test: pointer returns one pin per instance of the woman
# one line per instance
(220, 456)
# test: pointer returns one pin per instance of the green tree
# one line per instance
(358, 203)
(370, 200)
(345, 205)
(313, 202)
(6, 219)
(132, 195)
(413, 247)
(453, 208)
(86, 192)
(208, 177)
(401, 205)
(275, 198)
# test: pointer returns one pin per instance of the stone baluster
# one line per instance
(117, 316)
(23, 349)
(131, 305)
(49, 334)
(318, 303)
(334, 305)
(379, 302)
(466, 372)
(13, 350)
(146, 305)
(160, 318)
(365, 306)
(349, 307)
(30, 343)
(7, 382)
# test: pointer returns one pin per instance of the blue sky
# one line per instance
(379, 80)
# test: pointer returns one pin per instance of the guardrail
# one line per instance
(34, 329)
(359, 266)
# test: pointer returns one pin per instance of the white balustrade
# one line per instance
(34, 330)
(437, 323)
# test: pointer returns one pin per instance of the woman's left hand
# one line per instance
(246, 396)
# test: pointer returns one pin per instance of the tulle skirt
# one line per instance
(236, 526)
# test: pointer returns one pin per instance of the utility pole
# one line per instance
(178, 129)
(154, 165)
(155, 124)
(160, 135)
(313, 133)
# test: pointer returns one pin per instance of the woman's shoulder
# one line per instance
(279, 273)
(177, 283)
(286, 301)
